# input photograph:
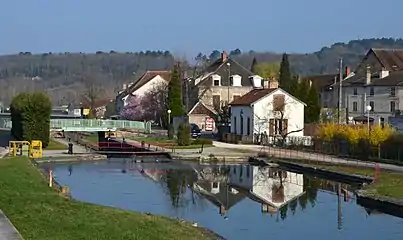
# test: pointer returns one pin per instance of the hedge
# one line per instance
(30, 116)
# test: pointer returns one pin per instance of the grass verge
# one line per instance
(171, 143)
(55, 145)
(39, 212)
(389, 184)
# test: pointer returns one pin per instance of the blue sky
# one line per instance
(186, 27)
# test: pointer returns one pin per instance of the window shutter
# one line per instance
(271, 127)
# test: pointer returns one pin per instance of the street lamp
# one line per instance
(369, 108)
(169, 117)
(229, 78)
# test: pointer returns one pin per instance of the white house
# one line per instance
(271, 187)
(149, 81)
(267, 110)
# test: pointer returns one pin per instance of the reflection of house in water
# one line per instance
(212, 185)
(271, 187)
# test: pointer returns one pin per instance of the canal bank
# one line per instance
(38, 211)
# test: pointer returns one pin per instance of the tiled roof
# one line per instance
(395, 78)
(252, 96)
(145, 78)
(391, 59)
(321, 81)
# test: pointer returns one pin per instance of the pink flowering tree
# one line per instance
(133, 110)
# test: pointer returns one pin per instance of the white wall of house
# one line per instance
(259, 182)
(152, 84)
(261, 112)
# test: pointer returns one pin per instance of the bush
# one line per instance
(353, 133)
(202, 141)
(30, 116)
(183, 136)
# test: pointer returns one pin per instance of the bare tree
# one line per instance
(93, 92)
(155, 103)
(278, 120)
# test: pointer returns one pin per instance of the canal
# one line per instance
(236, 201)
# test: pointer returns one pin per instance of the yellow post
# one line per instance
(50, 178)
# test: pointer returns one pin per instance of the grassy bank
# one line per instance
(55, 145)
(39, 212)
(389, 183)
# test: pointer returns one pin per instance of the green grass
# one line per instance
(55, 145)
(389, 184)
(39, 212)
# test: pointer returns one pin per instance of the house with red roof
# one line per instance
(270, 111)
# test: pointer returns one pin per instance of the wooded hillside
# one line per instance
(65, 76)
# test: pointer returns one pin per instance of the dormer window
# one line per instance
(257, 81)
(216, 80)
(236, 80)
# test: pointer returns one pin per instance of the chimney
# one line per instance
(224, 56)
(124, 86)
(347, 71)
(384, 73)
(273, 83)
(368, 79)
(266, 83)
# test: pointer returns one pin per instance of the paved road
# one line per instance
(7, 230)
(292, 154)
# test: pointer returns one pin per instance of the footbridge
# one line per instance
(89, 125)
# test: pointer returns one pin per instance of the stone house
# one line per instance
(220, 83)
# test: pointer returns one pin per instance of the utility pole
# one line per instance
(340, 89)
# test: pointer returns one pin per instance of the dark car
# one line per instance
(195, 131)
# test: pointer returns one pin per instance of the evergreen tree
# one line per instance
(253, 66)
(303, 89)
(175, 103)
(312, 110)
(285, 77)
(294, 87)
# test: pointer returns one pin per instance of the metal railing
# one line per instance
(62, 124)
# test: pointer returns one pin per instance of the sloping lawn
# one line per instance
(40, 213)
(55, 145)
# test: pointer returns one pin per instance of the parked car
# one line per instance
(195, 131)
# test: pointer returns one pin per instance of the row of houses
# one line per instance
(259, 106)
(226, 81)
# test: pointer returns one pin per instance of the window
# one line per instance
(235, 125)
(393, 92)
(355, 92)
(216, 82)
(392, 106)
(371, 91)
(278, 102)
(278, 127)
(355, 106)
(241, 123)
(216, 101)
(248, 126)
(215, 184)
(371, 103)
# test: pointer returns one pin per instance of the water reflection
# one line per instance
(236, 201)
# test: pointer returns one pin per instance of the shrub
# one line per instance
(204, 141)
(183, 136)
(30, 116)
(353, 133)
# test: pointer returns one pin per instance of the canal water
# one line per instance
(236, 201)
